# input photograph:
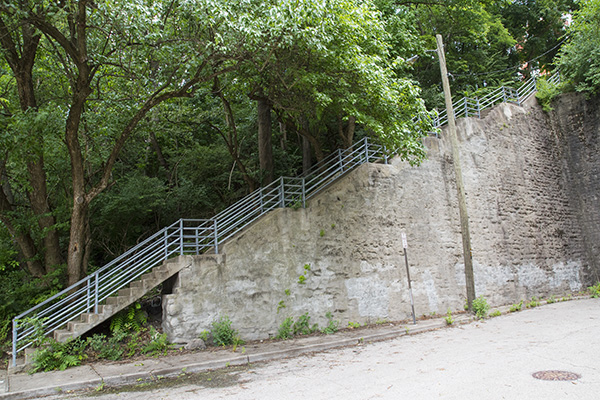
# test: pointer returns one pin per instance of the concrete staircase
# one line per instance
(125, 297)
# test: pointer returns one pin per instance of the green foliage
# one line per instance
(449, 320)
(285, 329)
(495, 313)
(302, 325)
(302, 279)
(546, 92)
(353, 325)
(205, 335)
(131, 319)
(222, 332)
(551, 299)
(480, 307)
(54, 355)
(158, 343)
(533, 303)
(107, 348)
(280, 306)
(332, 325)
(19, 292)
(516, 307)
(579, 58)
(322, 232)
(594, 290)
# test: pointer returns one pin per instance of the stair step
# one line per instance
(76, 327)
(62, 335)
(90, 318)
(116, 301)
(148, 276)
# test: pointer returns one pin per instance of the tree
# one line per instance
(117, 61)
(578, 59)
(328, 69)
(539, 27)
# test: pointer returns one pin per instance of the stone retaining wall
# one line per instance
(532, 194)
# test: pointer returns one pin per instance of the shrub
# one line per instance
(132, 319)
(546, 92)
(285, 329)
(480, 307)
(516, 307)
(158, 343)
(222, 332)
(302, 325)
(595, 290)
(449, 320)
(55, 355)
(332, 325)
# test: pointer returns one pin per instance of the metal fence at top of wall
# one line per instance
(186, 236)
(473, 106)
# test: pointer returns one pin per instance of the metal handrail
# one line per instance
(186, 236)
(472, 107)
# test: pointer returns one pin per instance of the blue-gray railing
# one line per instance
(196, 236)
(186, 236)
(472, 106)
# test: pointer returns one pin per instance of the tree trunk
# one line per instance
(77, 240)
(306, 155)
(347, 134)
(38, 198)
(265, 148)
(21, 63)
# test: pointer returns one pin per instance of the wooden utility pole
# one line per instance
(462, 203)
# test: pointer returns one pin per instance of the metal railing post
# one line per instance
(341, 162)
(87, 297)
(216, 237)
(96, 294)
(260, 191)
(366, 150)
(504, 94)
(166, 243)
(281, 193)
(466, 107)
(181, 237)
(385, 157)
(478, 108)
(303, 192)
(197, 243)
(14, 343)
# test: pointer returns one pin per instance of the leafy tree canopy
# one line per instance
(579, 58)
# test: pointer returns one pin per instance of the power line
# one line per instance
(513, 67)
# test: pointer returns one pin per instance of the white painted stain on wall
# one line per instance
(371, 294)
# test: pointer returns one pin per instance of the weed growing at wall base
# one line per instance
(480, 307)
(516, 307)
(449, 320)
(223, 334)
(595, 290)
(332, 325)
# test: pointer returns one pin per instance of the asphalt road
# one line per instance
(493, 359)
